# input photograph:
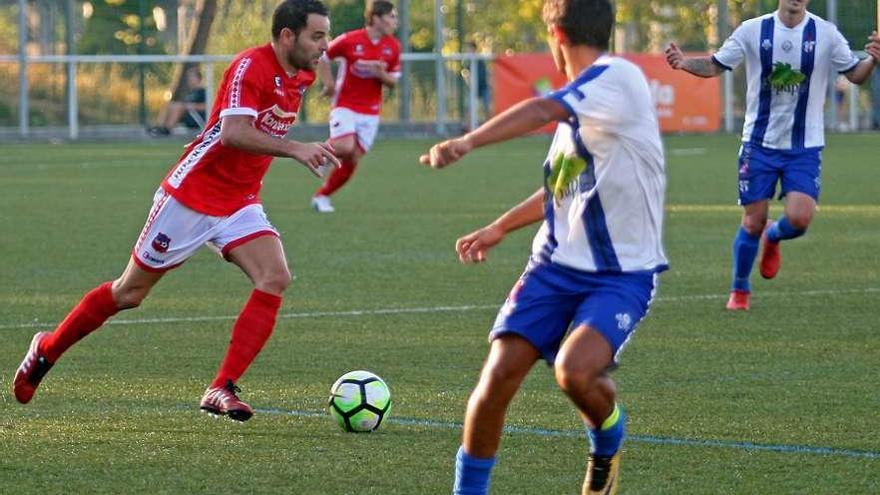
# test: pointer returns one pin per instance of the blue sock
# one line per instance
(745, 250)
(782, 230)
(605, 441)
(471, 474)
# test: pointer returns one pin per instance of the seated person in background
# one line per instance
(189, 112)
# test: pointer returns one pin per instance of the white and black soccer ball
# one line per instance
(359, 401)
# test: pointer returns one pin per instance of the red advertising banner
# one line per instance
(685, 103)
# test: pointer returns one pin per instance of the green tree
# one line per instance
(240, 25)
(9, 29)
(114, 27)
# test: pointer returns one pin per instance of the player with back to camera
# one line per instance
(595, 261)
(789, 56)
(212, 196)
(369, 59)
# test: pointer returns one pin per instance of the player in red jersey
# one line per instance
(369, 58)
(212, 196)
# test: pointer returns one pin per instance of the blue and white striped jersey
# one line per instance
(788, 71)
(605, 179)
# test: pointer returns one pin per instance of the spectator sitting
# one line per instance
(189, 112)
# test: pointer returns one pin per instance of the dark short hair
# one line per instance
(294, 14)
(584, 22)
(377, 7)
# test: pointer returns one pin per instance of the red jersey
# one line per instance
(218, 180)
(356, 89)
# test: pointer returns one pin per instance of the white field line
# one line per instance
(653, 439)
(427, 309)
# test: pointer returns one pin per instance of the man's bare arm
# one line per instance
(388, 80)
(861, 72)
(474, 247)
(701, 66)
(516, 121)
(698, 66)
(238, 131)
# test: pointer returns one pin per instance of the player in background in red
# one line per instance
(369, 58)
(211, 196)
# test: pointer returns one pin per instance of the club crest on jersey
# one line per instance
(161, 242)
(787, 46)
(785, 79)
(564, 176)
(358, 49)
(278, 89)
(386, 51)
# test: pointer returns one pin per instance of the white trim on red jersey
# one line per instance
(189, 161)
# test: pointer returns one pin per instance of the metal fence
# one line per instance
(437, 94)
(44, 94)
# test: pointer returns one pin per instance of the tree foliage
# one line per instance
(497, 26)
(115, 27)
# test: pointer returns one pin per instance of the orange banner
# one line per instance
(685, 103)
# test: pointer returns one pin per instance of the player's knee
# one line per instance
(274, 282)
(754, 225)
(129, 297)
(573, 376)
(500, 374)
(800, 221)
(345, 149)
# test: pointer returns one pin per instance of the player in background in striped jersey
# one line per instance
(595, 260)
(211, 196)
(789, 56)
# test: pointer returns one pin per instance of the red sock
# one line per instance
(251, 330)
(91, 312)
(338, 178)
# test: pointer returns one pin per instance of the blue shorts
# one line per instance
(761, 168)
(549, 299)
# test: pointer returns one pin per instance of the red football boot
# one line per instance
(31, 371)
(223, 401)
(771, 257)
(739, 300)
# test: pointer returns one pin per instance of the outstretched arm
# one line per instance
(698, 66)
(238, 131)
(861, 72)
(473, 247)
(517, 120)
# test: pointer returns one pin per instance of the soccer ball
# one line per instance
(359, 401)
